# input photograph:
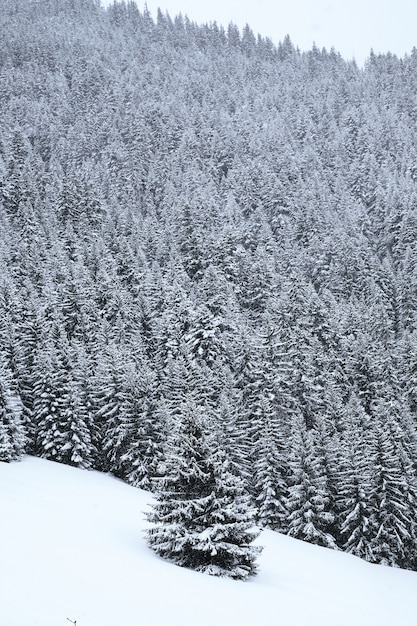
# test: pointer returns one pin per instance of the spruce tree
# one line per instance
(393, 491)
(269, 483)
(310, 518)
(355, 518)
(144, 428)
(60, 412)
(202, 518)
(12, 432)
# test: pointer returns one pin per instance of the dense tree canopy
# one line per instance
(194, 219)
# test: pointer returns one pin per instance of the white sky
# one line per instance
(352, 27)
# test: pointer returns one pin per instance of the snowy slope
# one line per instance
(72, 546)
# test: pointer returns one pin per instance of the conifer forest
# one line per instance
(208, 276)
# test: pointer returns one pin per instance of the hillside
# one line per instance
(72, 546)
(199, 226)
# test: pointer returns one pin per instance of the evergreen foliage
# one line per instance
(12, 432)
(202, 516)
(194, 222)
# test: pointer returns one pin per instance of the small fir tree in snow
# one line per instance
(202, 518)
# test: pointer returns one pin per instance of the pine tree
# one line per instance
(355, 519)
(112, 407)
(308, 502)
(269, 471)
(232, 431)
(12, 432)
(393, 491)
(202, 518)
(144, 432)
(60, 413)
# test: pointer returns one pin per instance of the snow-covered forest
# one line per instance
(208, 255)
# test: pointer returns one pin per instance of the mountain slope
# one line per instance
(72, 546)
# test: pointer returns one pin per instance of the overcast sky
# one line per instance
(352, 27)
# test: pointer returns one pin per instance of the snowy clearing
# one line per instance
(72, 547)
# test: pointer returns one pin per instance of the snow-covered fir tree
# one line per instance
(12, 431)
(202, 517)
(310, 517)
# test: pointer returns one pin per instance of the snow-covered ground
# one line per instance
(72, 547)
